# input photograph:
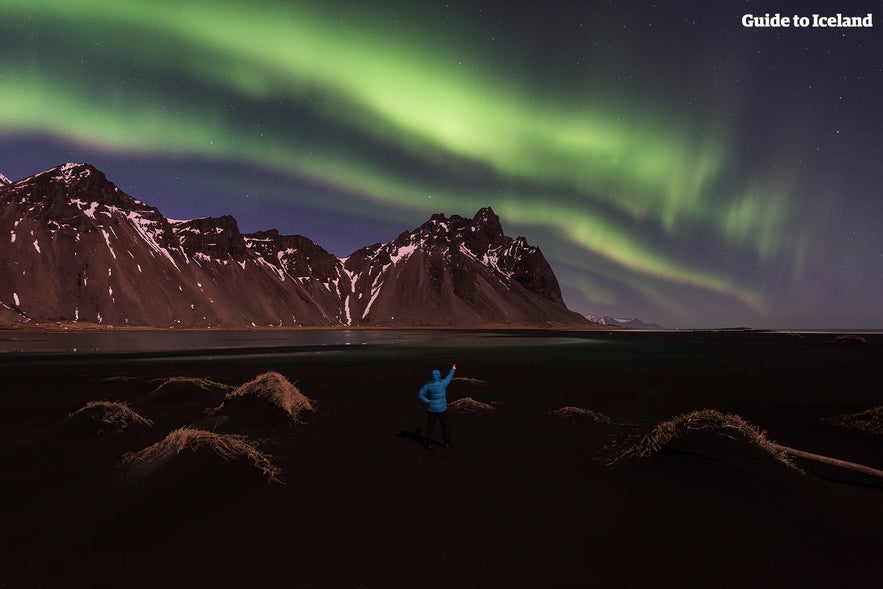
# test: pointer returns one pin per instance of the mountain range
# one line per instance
(631, 323)
(78, 249)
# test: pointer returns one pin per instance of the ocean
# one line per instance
(124, 342)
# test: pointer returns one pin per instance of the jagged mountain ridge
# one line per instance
(76, 248)
(466, 268)
(631, 322)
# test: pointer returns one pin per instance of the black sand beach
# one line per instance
(524, 498)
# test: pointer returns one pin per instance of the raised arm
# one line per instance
(450, 375)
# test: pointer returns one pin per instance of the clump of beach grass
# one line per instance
(469, 380)
(726, 424)
(869, 421)
(470, 405)
(115, 416)
(205, 384)
(730, 425)
(276, 390)
(850, 338)
(227, 446)
(571, 412)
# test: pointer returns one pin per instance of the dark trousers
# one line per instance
(430, 426)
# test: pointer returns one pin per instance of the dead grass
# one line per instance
(470, 405)
(570, 411)
(205, 384)
(112, 415)
(469, 380)
(868, 422)
(227, 446)
(726, 424)
(275, 389)
(850, 338)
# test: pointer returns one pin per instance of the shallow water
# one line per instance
(264, 341)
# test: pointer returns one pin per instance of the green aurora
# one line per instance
(323, 94)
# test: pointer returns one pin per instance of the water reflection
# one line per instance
(155, 341)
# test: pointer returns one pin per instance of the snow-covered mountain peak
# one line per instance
(487, 216)
(213, 237)
(630, 322)
(4, 180)
(75, 185)
(68, 174)
(110, 258)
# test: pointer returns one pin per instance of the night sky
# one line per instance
(671, 163)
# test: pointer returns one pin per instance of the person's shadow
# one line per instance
(416, 436)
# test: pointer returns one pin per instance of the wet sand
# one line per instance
(522, 499)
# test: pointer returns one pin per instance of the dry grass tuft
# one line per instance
(580, 412)
(470, 405)
(275, 389)
(112, 415)
(869, 421)
(726, 424)
(850, 338)
(469, 380)
(227, 446)
(205, 384)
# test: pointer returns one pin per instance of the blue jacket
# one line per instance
(435, 391)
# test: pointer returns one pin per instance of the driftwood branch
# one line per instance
(728, 424)
(832, 461)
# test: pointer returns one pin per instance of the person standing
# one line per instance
(434, 395)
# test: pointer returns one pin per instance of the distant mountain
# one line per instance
(458, 271)
(4, 180)
(632, 323)
(81, 250)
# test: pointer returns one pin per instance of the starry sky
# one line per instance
(672, 164)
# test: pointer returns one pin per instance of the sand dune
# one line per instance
(725, 424)
(270, 390)
(470, 405)
(732, 427)
(194, 395)
(112, 416)
(849, 338)
(226, 446)
(868, 422)
(205, 384)
(269, 394)
(570, 411)
(469, 380)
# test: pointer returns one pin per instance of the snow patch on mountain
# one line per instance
(630, 322)
(107, 241)
(376, 287)
(450, 270)
(403, 253)
(68, 173)
(277, 270)
(150, 231)
(87, 208)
